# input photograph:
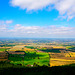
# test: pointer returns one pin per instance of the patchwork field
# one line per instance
(3, 56)
(59, 59)
(40, 54)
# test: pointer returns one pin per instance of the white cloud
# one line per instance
(37, 31)
(4, 25)
(65, 7)
(2, 22)
(9, 21)
(31, 4)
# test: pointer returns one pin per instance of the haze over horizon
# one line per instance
(37, 18)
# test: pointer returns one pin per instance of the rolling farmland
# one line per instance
(41, 54)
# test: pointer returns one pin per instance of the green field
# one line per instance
(51, 50)
(30, 58)
(71, 48)
(2, 49)
(31, 47)
(6, 45)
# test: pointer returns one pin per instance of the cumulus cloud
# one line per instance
(31, 4)
(66, 8)
(37, 31)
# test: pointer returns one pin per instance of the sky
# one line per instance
(37, 18)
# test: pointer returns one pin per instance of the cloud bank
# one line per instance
(66, 8)
(36, 31)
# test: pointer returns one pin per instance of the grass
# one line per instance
(30, 58)
(2, 49)
(31, 47)
(70, 47)
(51, 50)
(40, 62)
(7, 45)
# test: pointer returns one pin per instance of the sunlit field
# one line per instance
(47, 55)
(30, 58)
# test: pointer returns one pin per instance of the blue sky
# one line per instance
(37, 18)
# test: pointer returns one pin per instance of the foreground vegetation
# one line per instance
(10, 69)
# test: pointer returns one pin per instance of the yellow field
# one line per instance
(59, 59)
(17, 47)
(5, 47)
(28, 49)
(58, 47)
(21, 47)
(60, 62)
(70, 54)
